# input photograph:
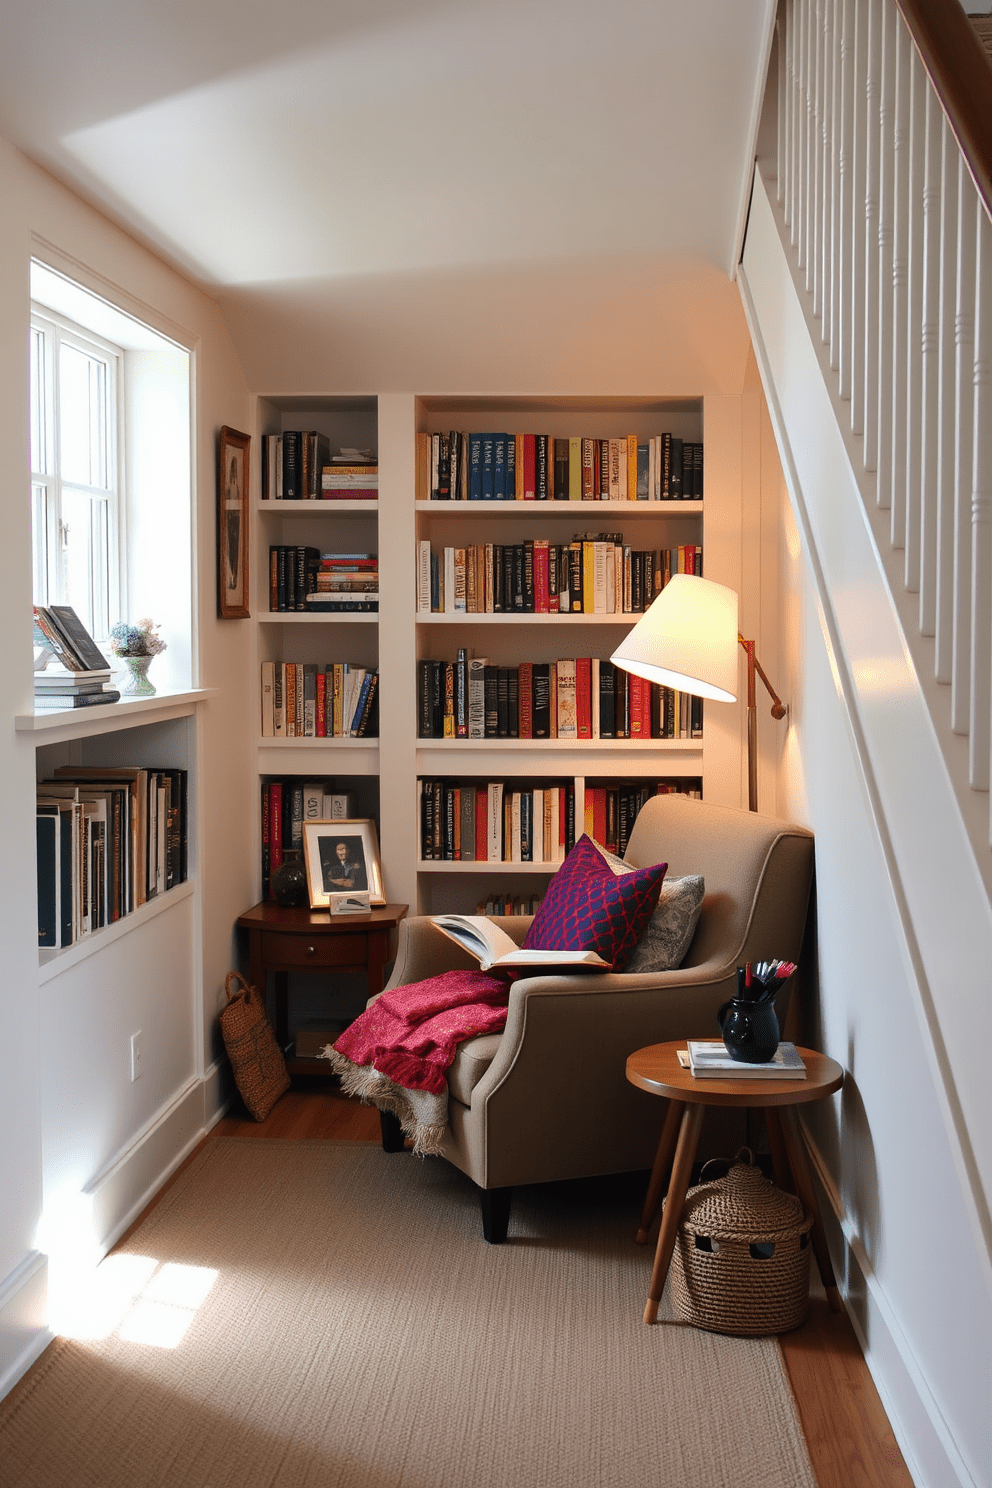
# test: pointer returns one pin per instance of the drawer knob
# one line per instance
(311, 950)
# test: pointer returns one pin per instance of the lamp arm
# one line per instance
(778, 707)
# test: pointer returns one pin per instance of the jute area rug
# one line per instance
(315, 1314)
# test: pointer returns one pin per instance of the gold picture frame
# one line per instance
(340, 856)
(232, 525)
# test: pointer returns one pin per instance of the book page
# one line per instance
(477, 935)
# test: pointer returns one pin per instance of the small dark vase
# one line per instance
(289, 881)
(750, 1030)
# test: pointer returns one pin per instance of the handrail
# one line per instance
(961, 76)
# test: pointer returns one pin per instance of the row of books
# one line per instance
(574, 698)
(514, 822)
(109, 839)
(460, 466)
(286, 805)
(314, 700)
(508, 904)
(297, 463)
(305, 580)
(594, 574)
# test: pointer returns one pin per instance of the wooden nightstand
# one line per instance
(284, 940)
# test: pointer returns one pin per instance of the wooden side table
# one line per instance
(657, 1069)
(311, 940)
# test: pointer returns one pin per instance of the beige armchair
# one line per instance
(548, 1098)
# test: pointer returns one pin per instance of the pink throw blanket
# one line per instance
(396, 1054)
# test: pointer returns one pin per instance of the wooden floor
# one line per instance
(849, 1437)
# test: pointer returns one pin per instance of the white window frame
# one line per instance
(47, 485)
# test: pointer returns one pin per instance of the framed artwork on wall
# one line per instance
(232, 525)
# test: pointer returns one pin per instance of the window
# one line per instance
(111, 464)
(76, 470)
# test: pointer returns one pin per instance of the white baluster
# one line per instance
(809, 141)
(981, 510)
(831, 156)
(947, 418)
(798, 120)
(859, 176)
(873, 85)
(900, 274)
(886, 213)
(843, 298)
(812, 180)
(913, 418)
(964, 375)
(825, 76)
(784, 111)
(929, 405)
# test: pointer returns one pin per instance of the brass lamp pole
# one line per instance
(778, 711)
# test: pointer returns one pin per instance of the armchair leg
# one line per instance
(495, 1213)
(392, 1132)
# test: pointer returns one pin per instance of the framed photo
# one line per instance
(341, 856)
(232, 525)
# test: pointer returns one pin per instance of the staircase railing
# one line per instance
(885, 184)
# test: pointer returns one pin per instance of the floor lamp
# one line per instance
(688, 640)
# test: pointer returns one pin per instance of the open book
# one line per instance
(491, 946)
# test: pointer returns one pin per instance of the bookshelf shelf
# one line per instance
(59, 726)
(462, 617)
(570, 510)
(301, 617)
(316, 508)
(428, 865)
(55, 963)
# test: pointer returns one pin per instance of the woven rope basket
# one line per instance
(741, 1261)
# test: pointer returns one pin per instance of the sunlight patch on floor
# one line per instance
(140, 1299)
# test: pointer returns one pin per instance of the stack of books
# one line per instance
(708, 1059)
(344, 583)
(352, 475)
(74, 672)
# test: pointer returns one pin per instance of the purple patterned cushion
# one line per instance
(588, 908)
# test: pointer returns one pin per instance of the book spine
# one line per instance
(525, 694)
(583, 698)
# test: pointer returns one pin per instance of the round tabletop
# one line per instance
(656, 1068)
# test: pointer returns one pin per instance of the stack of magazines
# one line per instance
(708, 1059)
(70, 669)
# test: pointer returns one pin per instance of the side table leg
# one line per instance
(804, 1188)
(662, 1163)
(776, 1145)
(692, 1121)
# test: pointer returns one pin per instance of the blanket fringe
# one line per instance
(373, 1088)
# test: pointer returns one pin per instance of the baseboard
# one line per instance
(24, 1335)
(923, 1435)
(116, 1195)
(122, 1189)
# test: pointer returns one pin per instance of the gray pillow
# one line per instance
(670, 929)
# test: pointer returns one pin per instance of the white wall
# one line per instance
(894, 1150)
(69, 1118)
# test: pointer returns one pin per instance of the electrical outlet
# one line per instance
(135, 1055)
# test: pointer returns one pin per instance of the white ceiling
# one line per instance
(256, 144)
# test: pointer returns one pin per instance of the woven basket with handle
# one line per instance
(741, 1261)
(257, 1061)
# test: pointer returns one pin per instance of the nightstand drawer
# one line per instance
(318, 951)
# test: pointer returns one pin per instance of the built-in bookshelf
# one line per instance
(305, 656)
(129, 774)
(409, 639)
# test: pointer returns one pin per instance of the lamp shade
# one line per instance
(687, 639)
